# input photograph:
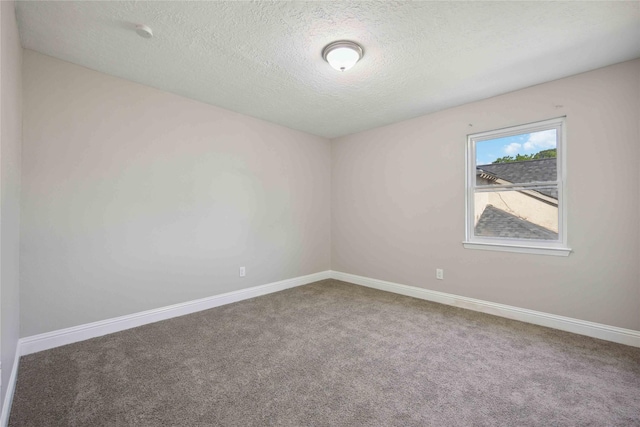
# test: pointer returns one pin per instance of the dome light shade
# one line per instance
(342, 55)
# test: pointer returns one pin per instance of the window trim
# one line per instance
(532, 246)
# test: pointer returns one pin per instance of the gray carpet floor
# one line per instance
(332, 354)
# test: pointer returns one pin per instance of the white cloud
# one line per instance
(512, 148)
(541, 140)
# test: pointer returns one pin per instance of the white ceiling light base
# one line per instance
(144, 31)
(343, 54)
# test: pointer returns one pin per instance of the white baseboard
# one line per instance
(581, 327)
(61, 337)
(46, 341)
(11, 388)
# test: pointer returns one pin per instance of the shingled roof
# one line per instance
(495, 222)
(527, 171)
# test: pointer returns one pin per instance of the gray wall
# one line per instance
(134, 198)
(398, 201)
(10, 142)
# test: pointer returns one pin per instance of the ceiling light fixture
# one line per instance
(144, 31)
(343, 54)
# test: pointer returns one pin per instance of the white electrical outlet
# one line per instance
(439, 274)
(243, 272)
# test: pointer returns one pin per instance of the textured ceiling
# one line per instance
(264, 59)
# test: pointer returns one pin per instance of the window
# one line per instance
(515, 189)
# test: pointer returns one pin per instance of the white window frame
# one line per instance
(543, 247)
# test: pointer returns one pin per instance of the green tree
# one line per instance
(547, 154)
(544, 154)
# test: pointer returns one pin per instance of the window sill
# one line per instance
(537, 250)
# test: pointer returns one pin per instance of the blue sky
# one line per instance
(526, 143)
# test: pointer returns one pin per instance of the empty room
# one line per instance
(319, 213)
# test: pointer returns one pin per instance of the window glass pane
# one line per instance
(515, 214)
(517, 159)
